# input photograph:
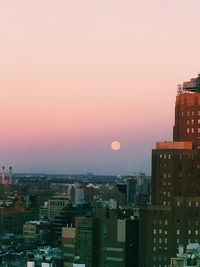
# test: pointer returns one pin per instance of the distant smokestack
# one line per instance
(10, 175)
(3, 175)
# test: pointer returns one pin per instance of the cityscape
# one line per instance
(100, 133)
(100, 221)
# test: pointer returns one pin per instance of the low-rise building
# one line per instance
(190, 258)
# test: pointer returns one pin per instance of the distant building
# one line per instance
(56, 205)
(37, 231)
(136, 189)
(67, 217)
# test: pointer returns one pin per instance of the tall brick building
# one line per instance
(174, 215)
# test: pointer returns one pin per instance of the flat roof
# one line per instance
(173, 145)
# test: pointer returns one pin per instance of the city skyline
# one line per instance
(76, 76)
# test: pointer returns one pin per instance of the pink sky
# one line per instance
(75, 75)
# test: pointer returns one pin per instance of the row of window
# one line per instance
(166, 184)
(160, 222)
(159, 231)
(193, 121)
(166, 203)
(167, 194)
(191, 130)
(160, 240)
(166, 175)
(196, 232)
(159, 248)
(165, 156)
(159, 258)
(190, 113)
(196, 203)
(169, 156)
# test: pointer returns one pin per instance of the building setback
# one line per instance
(174, 217)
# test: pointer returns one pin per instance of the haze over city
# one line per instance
(77, 75)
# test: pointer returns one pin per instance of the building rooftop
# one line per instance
(193, 85)
(174, 145)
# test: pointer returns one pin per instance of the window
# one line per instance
(198, 130)
(160, 231)
(198, 121)
(196, 232)
(197, 204)
(188, 122)
(160, 240)
(165, 232)
(178, 203)
(188, 113)
(154, 248)
(182, 113)
(198, 112)
(154, 240)
(189, 232)
(178, 232)
(165, 240)
(192, 121)
(192, 113)
(192, 130)
(154, 231)
(189, 203)
(188, 130)
(177, 241)
(166, 222)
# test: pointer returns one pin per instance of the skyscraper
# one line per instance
(174, 216)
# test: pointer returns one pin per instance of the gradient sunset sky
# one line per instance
(77, 74)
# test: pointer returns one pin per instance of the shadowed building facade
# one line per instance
(174, 216)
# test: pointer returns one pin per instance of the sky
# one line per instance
(76, 75)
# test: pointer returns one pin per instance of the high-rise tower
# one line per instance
(174, 216)
(187, 113)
